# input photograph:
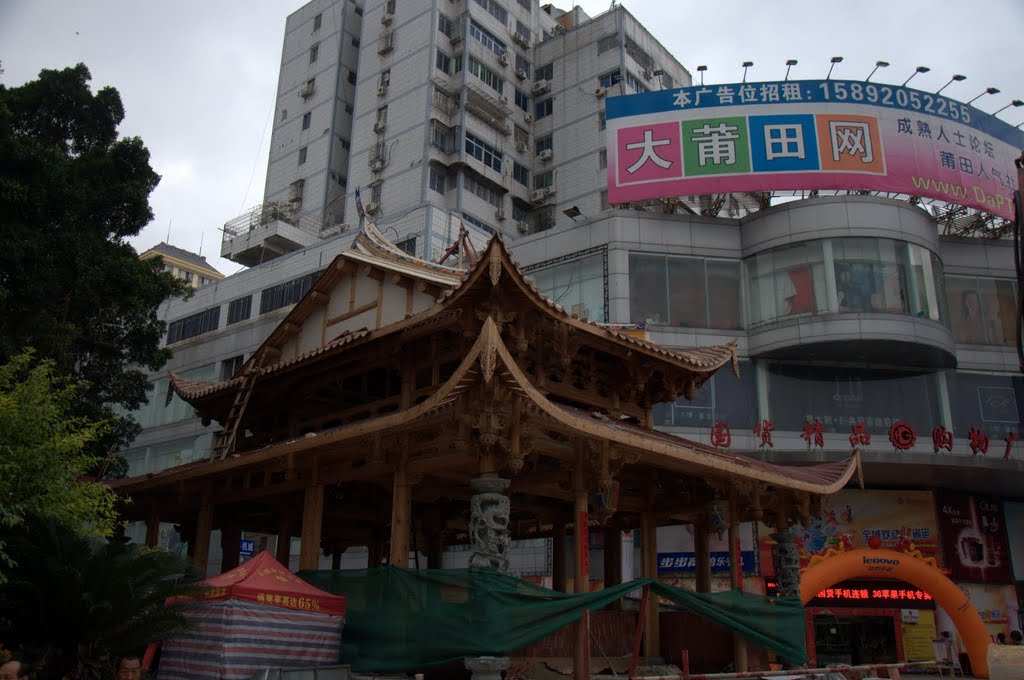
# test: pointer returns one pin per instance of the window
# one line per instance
(314, 52)
(184, 275)
(723, 398)
(445, 25)
(521, 174)
(542, 144)
(634, 83)
(287, 293)
(389, 8)
(478, 223)
(521, 136)
(991, 403)
(311, 84)
(610, 78)
(495, 10)
(544, 108)
(437, 176)
(377, 192)
(229, 367)
(385, 78)
(578, 285)
(982, 311)
(609, 42)
(191, 326)
(355, 42)
(359, 11)
(239, 310)
(443, 62)
(307, 119)
(525, 4)
(345, 144)
(602, 120)
(483, 152)
(787, 281)
(317, 21)
(297, 187)
(486, 38)
(480, 187)
(382, 116)
(441, 137)
(543, 180)
(407, 246)
(666, 81)
(519, 211)
(522, 100)
(284, 114)
(545, 72)
(524, 64)
(604, 199)
(489, 77)
(639, 56)
(602, 159)
(348, 109)
(691, 292)
(442, 100)
(523, 31)
(302, 155)
(352, 77)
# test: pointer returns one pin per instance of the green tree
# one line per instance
(71, 193)
(76, 603)
(42, 464)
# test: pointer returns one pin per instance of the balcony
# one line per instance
(267, 231)
(489, 106)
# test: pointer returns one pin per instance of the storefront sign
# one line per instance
(678, 556)
(686, 562)
(873, 594)
(247, 548)
(974, 545)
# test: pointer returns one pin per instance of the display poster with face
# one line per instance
(973, 531)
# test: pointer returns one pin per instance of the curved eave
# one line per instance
(654, 448)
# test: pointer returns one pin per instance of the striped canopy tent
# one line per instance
(258, 615)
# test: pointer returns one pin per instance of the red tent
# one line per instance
(265, 580)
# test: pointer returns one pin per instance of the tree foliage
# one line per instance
(71, 193)
(76, 604)
(42, 463)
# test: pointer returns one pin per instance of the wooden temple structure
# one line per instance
(403, 403)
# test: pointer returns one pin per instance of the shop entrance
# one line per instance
(854, 640)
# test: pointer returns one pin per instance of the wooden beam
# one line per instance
(739, 645)
(354, 311)
(701, 546)
(152, 527)
(312, 526)
(649, 563)
(284, 535)
(204, 525)
(559, 539)
(319, 298)
(230, 546)
(581, 573)
(380, 303)
(401, 514)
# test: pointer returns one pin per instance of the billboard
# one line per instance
(811, 134)
(974, 545)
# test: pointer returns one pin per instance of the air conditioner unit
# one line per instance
(387, 42)
(503, 99)
(382, 90)
(545, 155)
(521, 39)
(377, 165)
(379, 126)
(499, 214)
(541, 86)
(455, 39)
(647, 74)
(503, 58)
(372, 208)
(537, 196)
(522, 227)
(528, 117)
(600, 92)
(520, 74)
(386, 18)
(521, 147)
(306, 91)
(549, 191)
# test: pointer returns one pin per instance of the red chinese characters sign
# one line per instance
(873, 594)
(974, 545)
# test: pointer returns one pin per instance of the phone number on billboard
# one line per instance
(886, 95)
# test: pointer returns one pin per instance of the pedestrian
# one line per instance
(1000, 638)
(129, 667)
(16, 669)
(1016, 638)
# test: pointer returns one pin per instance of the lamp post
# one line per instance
(988, 90)
(955, 79)
(919, 69)
(1015, 103)
(835, 60)
(700, 70)
(878, 65)
(790, 63)
(746, 65)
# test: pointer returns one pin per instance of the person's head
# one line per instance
(16, 669)
(129, 668)
(1016, 637)
(970, 304)
(1000, 638)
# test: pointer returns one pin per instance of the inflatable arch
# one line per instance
(889, 564)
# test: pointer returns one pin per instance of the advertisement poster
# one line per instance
(896, 520)
(676, 554)
(974, 545)
(997, 606)
(1014, 513)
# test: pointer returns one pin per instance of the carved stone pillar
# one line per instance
(489, 511)
(786, 558)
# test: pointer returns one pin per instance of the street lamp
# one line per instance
(790, 63)
(1015, 103)
(835, 60)
(878, 65)
(746, 65)
(955, 79)
(700, 70)
(988, 90)
(919, 69)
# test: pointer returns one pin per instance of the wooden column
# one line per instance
(374, 553)
(559, 572)
(204, 524)
(284, 536)
(336, 557)
(612, 556)
(701, 546)
(152, 528)
(739, 645)
(312, 526)
(649, 564)
(435, 550)
(401, 515)
(581, 572)
(230, 546)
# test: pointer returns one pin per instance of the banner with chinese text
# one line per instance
(797, 135)
(676, 552)
(974, 545)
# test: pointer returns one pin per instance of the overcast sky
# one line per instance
(198, 78)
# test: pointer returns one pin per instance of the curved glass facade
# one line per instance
(844, 275)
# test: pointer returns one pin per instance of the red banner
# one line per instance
(974, 545)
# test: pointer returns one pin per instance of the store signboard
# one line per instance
(974, 545)
(678, 556)
(812, 134)
(686, 562)
(247, 548)
(874, 594)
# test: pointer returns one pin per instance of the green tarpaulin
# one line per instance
(401, 620)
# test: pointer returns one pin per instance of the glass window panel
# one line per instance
(724, 295)
(724, 398)
(787, 281)
(992, 403)
(648, 287)
(984, 310)
(578, 286)
(687, 300)
(870, 276)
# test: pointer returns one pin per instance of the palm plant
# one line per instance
(78, 603)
